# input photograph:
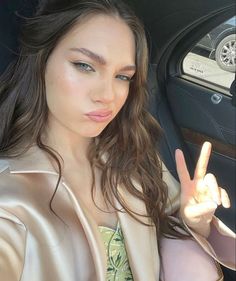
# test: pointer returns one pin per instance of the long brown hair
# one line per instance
(129, 141)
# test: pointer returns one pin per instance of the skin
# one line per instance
(201, 195)
(78, 83)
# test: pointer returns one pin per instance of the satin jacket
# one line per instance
(40, 244)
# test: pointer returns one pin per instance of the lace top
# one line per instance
(118, 268)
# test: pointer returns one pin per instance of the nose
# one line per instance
(105, 93)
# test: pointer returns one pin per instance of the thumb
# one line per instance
(200, 209)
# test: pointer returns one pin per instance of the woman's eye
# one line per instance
(83, 66)
(124, 78)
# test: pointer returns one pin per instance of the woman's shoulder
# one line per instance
(7, 194)
(4, 169)
(4, 174)
(22, 193)
(14, 187)
(7, 182)
(4, 164)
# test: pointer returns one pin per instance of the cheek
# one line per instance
(64, 92)
(61, 101)
(60, 83)
(121, 99)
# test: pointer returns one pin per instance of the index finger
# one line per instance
(203, 160)
(181, 166)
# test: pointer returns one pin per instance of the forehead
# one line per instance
(109, 36)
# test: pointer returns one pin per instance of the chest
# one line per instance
(101, 211)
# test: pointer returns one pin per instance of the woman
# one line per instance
(83, 193)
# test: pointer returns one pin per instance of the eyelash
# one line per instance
(125, 78)
(84, 67)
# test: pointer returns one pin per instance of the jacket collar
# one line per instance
(34, 160)
(140, 240)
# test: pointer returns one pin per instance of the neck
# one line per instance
(71, 147)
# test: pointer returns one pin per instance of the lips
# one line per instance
(99, 116)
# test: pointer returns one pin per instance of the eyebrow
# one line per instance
(99, 59)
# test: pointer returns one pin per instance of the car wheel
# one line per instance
(226, 53)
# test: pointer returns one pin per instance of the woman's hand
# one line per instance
(201, 195)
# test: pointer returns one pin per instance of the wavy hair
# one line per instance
(129, 141)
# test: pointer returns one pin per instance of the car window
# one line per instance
(213, 58)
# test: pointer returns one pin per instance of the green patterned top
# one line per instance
(118, 268)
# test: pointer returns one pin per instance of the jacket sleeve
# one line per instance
(12, 246)
(221, 242)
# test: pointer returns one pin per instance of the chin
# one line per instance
(92, 133)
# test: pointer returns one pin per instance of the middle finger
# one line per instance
(202, 162)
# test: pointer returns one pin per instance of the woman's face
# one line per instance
(88, 75)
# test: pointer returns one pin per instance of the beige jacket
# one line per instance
(36, 245)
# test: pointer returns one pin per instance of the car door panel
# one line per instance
(199, 119)
(193, 108)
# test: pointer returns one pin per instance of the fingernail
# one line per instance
(226, 204)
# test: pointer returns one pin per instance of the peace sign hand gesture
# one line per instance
(201, 195)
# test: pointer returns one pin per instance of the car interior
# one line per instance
(190, 110)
